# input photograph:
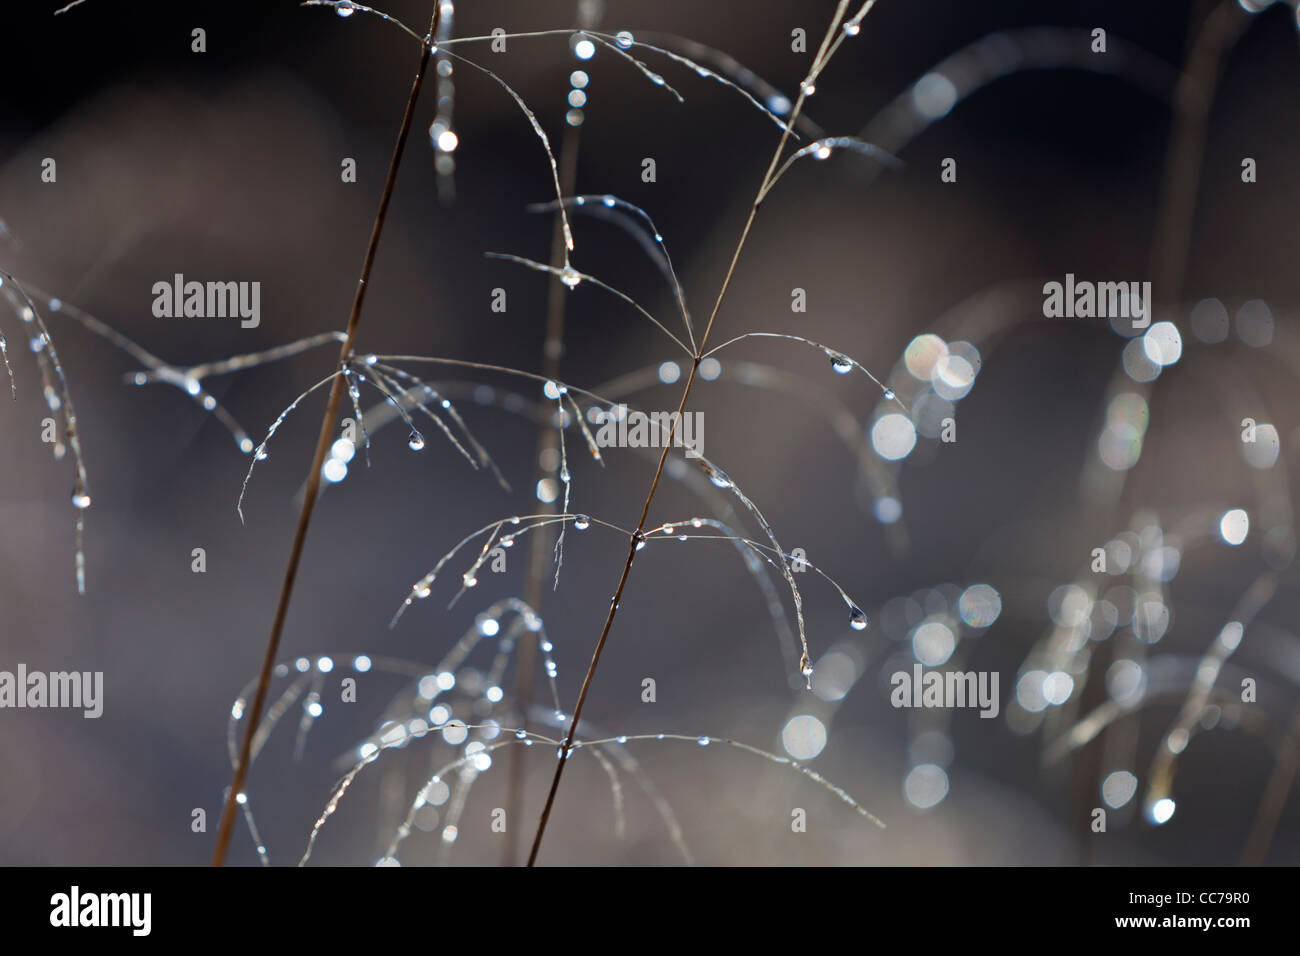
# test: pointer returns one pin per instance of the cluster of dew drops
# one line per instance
(571, 278)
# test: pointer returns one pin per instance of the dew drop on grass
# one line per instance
(416, 441)
(581, 522)
(79, 497)
(889, 394)
(570, 277)
(345, 8)
(720, 478)
(703, 741)
(857, 619)
(840, 364)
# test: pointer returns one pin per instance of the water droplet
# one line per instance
(857, 619)
(719, 477)
(852, 29)
(344, 8)
(570, 276)
(581, 522)
(823, 151)
(624, 39)
(416, 441)
(521, 734)
(889, 394)
(840, 364)
(806, 669)
(469, 579)
(640, 540)
(79, 497)
(703, 741)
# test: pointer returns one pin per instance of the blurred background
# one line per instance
(1071, 435)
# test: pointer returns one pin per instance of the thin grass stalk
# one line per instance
(638, 534)
(318, 460)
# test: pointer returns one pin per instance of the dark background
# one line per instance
(226, 164)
